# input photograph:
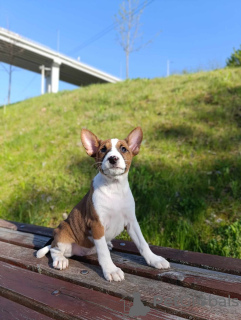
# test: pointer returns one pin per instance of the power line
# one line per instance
(30, 82)
(109, 28)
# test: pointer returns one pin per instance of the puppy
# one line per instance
(105, 210)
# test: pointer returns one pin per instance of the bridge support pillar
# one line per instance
(51, 77)
(48, 82)
(55, 77)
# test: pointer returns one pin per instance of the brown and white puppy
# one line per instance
(105, 210)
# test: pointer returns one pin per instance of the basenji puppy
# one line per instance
(105, 210)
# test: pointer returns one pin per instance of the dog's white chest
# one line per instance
(114, 204)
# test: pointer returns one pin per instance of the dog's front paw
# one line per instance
(114, 273)
(60, 263)
(158, 262)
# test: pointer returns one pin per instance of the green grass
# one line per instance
(186, 179)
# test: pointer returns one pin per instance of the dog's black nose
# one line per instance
(113, 159)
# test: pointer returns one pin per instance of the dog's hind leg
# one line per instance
(110, 245)
(59, 254)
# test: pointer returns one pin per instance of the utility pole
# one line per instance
(168, 68)
(10, 82)
(120, 70)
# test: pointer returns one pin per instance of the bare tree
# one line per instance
(9, 70)
(128, 27)
(12, 51)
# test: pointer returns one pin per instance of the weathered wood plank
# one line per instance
(191, 277)
(7, 224)
(10, 310)
(29, 228)
(196, 259)
(53, 297)
(176, 300)
(23, 239)
(60, 299)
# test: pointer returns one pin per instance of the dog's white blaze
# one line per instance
(107, 167)
(114, 143)
(115, 152)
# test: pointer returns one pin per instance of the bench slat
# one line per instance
(191, 277)
(196, 259)
(148, 288)
(28, 240)
(30, 228)
(10, 310)
(60, 299)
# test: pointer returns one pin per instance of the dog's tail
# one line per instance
(42, 252)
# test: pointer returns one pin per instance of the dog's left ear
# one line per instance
(90, 142)
(134, 140)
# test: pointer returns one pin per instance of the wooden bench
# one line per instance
(198, 286)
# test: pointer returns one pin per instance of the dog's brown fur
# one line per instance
(81, 223)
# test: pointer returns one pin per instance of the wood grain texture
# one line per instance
(29, 228)
(199, 279)
(8, 224)
(60, 299)
(23, 239)
(196, 259)
(195, 278)
(176, 300)
(10, 310)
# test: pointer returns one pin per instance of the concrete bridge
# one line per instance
(53, 66)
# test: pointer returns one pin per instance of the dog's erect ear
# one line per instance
(134, 140)
(90, 142)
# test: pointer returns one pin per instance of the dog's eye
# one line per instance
(103, 149)
(123, 149)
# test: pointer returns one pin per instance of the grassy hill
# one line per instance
(186, 179)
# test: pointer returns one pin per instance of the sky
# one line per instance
(193, 35)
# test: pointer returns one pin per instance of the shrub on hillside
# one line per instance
(235, 59)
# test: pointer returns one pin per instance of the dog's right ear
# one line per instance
(90, 142)
(134, 140)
